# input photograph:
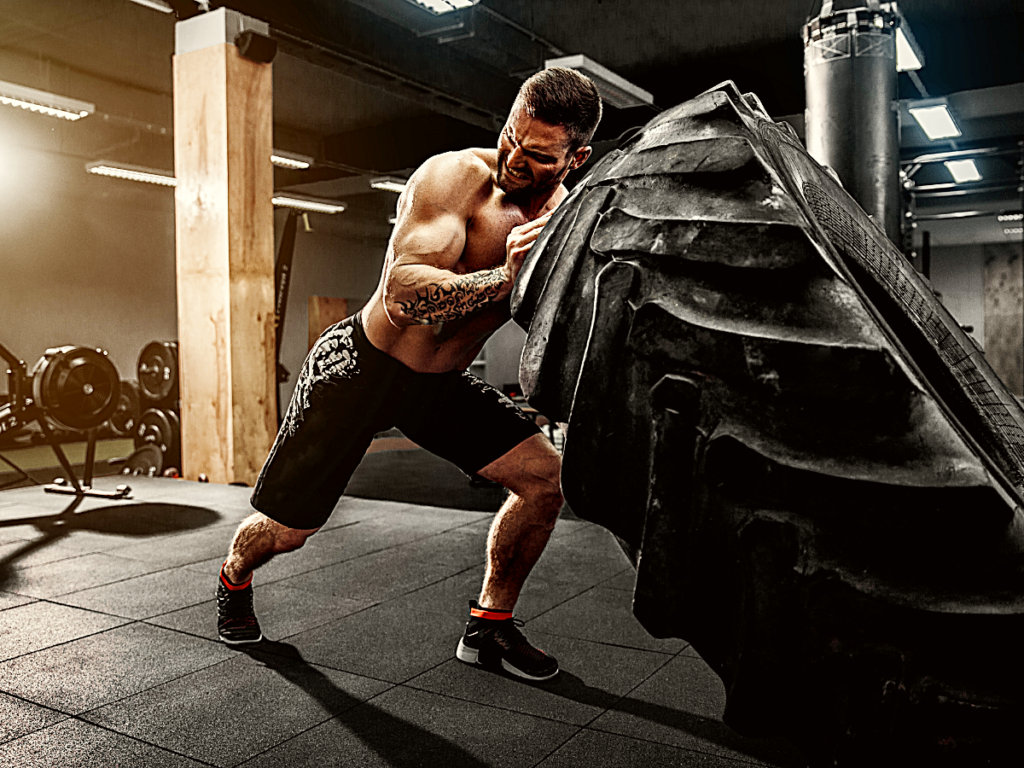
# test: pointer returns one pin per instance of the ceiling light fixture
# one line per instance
(43, 102)
(307, 203)
(437, 7)
(614, 89)
(962, 170)
(1013, 230)
(935, 120)
(131, 173)
(156, 5)
(1010, 217)
(290, 159)
(389, 183)
(906, 58)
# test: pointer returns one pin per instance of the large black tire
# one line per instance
(815, 469)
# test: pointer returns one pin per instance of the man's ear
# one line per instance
(581, 156)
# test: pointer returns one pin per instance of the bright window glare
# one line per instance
(963, 170)
(906, 59)
(936, 121)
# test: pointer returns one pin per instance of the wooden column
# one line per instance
(1004, 314)
(224, 231)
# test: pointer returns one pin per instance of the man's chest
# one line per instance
(486, 235)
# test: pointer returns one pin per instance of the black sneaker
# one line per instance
(236, 619)
(497, 643)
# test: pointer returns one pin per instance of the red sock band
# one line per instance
(229, 585)
(484, 613)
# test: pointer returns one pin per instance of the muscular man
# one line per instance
(465, 223)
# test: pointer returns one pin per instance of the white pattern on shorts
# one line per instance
(505, 400)
(332, 357)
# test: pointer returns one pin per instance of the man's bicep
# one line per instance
(434, 238)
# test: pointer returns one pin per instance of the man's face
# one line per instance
(534, 156)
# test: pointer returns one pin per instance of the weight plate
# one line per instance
(158, 371)
(147, 460)
(78, 388)
(129, 409)
(155, 429)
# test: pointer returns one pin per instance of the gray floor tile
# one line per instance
(592, 678)
(626, 580)
(39, 625)
(18, 717)
(604, 616)
(405, 727)
(75, 575)
(74, 744)
(237, 709)
(102, 668)
(180, 549)
(10, 600)
(148, 595)
(592, 749)
(389, 642)
(282, 610)
(681, 705)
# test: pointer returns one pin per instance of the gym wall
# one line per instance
(958, 273)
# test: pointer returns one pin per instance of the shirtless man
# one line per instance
(465, 223)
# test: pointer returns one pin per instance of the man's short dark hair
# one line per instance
(563, 97)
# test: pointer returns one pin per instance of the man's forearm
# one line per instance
(448, 299)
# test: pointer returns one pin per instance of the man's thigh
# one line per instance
(465, 420)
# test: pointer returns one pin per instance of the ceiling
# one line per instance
(378, 85)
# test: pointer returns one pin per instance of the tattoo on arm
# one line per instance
(439, 303)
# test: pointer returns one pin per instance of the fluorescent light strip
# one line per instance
(936, 121)
(437, 7)
(290, 159)
(614, 89)
(1013, 230)
(131, 173)
(388, 183)
(962, 170)
(43, 102)
(1010, 217)
(156, 5)
(282, 200)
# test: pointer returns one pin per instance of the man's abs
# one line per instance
(435, 348)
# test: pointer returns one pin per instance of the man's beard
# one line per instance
(528, 188)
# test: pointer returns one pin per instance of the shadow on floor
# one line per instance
(397, 741)
(135, 519)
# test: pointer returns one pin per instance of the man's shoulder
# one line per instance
(465, 165)
(460, 180)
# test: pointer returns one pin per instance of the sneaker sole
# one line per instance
(240, 642)
(472, 656)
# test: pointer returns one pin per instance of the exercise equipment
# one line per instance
(161, 428)
(124, 420)
(71, 387)
(147, 460)
(157, 371)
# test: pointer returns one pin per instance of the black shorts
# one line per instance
(347, 391)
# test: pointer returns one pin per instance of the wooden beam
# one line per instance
(325, 311)
(224, 229)
(1004, 314)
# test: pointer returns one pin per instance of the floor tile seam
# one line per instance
(572, 736)
(105, 584)
(73, 640)
(20, 605)
(563, 602)
(19, 697)
(719, 755)
(161, 747)
(669, 654)
(321, 665)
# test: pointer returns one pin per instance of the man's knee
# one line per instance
(544, 488)
(268, 534)
(289, 539)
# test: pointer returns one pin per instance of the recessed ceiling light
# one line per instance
(290, 159)
(1011, 217)
(936, 121)
(963, 170)
(43, 102)
(307, 203)
(156, 5)
(437, 7)
(388, 183)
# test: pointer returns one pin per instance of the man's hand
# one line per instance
(519, 242)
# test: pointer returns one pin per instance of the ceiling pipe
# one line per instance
(852, 117)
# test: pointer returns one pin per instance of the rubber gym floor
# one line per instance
(109, 657)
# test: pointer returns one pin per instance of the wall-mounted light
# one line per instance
(156, 5)
(290, 159)
(43, 102)
(614, 89)
(131, 173)
(962, 170)
(307, 203)
(437, 7)
(935, 120)
(389, 183)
